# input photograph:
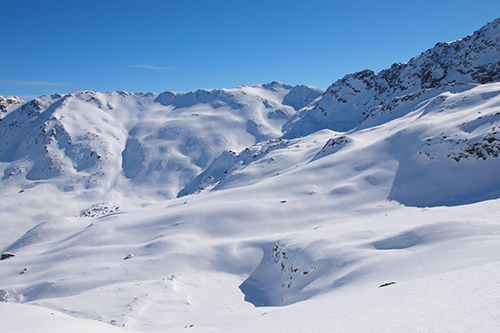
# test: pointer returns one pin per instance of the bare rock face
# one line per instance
(333, 145)
(99, 210)
(7, 255)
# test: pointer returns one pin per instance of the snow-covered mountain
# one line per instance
(213, 209)
(156, 142)
(370, 98)
(9, 103)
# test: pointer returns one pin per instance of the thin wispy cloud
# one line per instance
(28, 97)
(32, 83)
(151, 67)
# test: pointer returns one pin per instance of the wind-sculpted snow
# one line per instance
(452, 161)
(210, 209)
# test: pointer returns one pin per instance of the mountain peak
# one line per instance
(356, 97)
(9, 103)
(273, 85)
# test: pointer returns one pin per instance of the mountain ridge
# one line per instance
(213, 208)
(356, 97)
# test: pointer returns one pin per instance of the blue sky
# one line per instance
(59, 46)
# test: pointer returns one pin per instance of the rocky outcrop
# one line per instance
(7, 255)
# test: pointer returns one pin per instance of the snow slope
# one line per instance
(43, 320)
(269, 208)
(447, 302)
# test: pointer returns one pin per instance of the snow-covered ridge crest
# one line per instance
(456, 65)
(89, 140)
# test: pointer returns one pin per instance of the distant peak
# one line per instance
(11, 99)
(273, 85)
(9, 102)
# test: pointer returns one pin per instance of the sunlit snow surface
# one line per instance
(202, 211)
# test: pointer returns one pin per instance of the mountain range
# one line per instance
(369, 206)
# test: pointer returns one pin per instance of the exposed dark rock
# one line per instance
(7, 255)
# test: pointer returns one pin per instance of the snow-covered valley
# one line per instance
(371, 206)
